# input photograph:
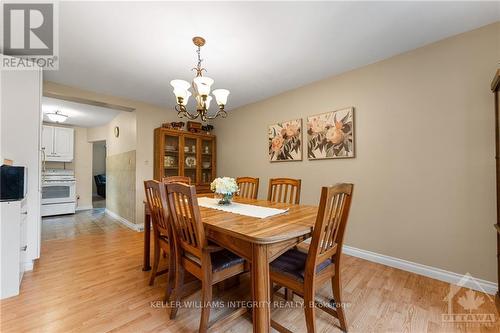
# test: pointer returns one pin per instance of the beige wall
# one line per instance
(147, 118)
(83, 169)
(126, 141)
(424, 172)
(97, 133)
(82, 164)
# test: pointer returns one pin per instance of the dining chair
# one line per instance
(249, 187)
(176, 179)
(156, 197)
(207, 262)
(286, 190)
(304, 273)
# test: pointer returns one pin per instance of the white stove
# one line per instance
(58, 192)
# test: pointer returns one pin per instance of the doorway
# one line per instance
(99, 174)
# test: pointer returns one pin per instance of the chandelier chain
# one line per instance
(199, 70)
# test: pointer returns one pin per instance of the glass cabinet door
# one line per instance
(190, 158)
(171, 156)
(207, 161)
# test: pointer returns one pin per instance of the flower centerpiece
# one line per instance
(224, 188)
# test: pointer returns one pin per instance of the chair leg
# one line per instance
(176, 298)
(336, 289)
(156, 261)
(170, 278)
(288, 294)
(206, 299)
(310, 309)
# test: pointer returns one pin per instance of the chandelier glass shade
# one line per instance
(202, 86)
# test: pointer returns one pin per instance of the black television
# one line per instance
(13, 182)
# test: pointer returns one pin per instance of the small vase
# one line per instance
(225, 199)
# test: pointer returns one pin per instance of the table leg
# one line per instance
(260, 289)
(147, 240)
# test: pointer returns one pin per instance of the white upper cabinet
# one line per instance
(58, 143)
(48, 140)
(63, 142)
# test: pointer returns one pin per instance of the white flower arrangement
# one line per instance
(224, 185)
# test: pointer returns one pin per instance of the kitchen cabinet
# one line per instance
(14, 245)
(58, 143)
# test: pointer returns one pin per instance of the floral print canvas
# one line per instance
(331, 135)
(285, 141)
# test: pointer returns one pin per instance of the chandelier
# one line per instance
(201, 88)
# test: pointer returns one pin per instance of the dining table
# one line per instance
(257, 240)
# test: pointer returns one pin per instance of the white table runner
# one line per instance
(239, 208)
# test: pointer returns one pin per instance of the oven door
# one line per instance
(58, 192)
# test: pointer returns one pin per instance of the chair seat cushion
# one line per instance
(293, 263)
(220, 260)
(224, 259)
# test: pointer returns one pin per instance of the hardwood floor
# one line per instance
(90, 280)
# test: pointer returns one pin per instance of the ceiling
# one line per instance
(256, 50)
(80, 115)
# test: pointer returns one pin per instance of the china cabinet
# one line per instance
(495, 87)
(182, 153)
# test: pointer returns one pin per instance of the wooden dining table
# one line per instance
(257, 240)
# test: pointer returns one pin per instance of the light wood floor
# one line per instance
(90, 280)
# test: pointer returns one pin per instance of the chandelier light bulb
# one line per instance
(203, 85)
(207, 102)
(186, 99)
(221, 96)
(180, 84)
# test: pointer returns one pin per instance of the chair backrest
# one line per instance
(249, 187)
(328, 233)
(156, 197)
(176, 179)
(187, 226)
(286, 190)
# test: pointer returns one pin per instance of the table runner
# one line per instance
(239, 208)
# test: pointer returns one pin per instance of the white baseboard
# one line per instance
(28, 265)
(124, 221)
(432, 272)
(78, 208)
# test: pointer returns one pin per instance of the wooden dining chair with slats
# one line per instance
(304, 273)
(286, 190)
(207, 262)
(176, 179)
(156, 197)
(248, 186)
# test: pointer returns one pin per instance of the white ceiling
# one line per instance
(80, 115)
(256, 50)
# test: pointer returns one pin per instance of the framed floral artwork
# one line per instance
(331, 135)
(285, 141)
